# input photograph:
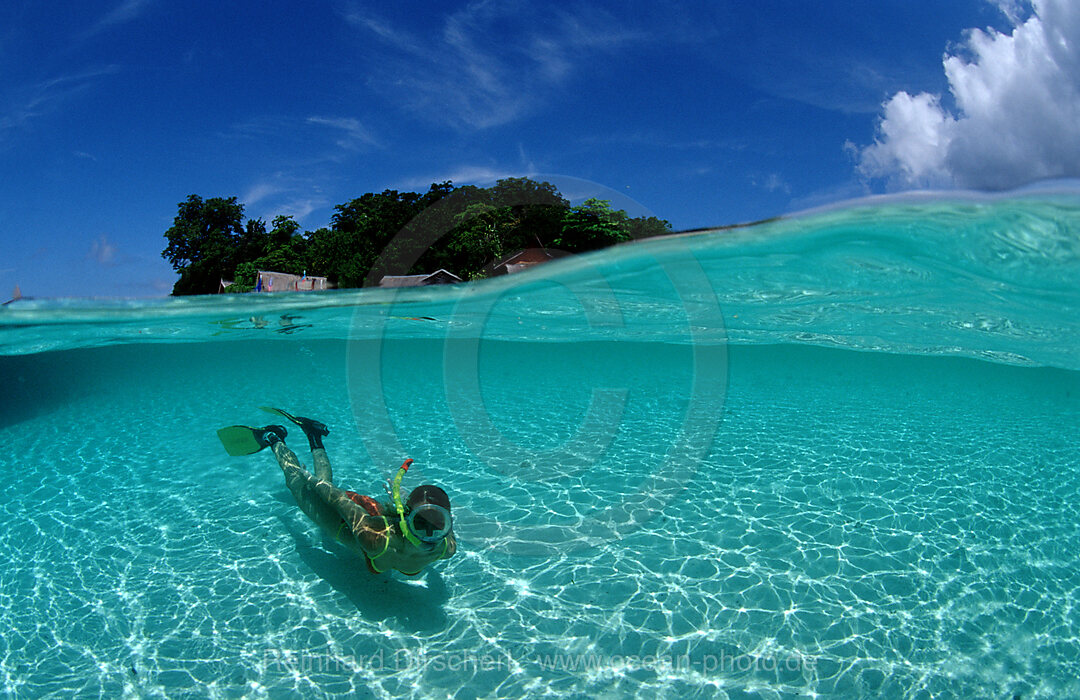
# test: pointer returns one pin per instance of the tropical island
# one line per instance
(461, 230)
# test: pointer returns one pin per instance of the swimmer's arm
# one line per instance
(373, 534)
(371, 531)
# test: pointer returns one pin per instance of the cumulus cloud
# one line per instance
(1017, 109)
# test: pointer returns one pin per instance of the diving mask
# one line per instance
(425, 523)
(429, 522)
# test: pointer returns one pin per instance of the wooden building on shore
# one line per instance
(440, 276)
(269, 281)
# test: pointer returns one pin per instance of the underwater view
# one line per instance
(829, 455)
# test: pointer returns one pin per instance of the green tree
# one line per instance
(520, 192)
(243, 278)
(325, 251)
(592, 224)
(461, 229)
(285, 231)
(647, 227)
(254, 240)
(485, 224)
(360, 230)
(205, 243)
(286, 250)
(476, 239)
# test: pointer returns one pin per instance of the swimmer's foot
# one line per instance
(313, 429)
(270, 434)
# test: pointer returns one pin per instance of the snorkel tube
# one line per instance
(396, 493)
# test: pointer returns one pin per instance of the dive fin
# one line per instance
(283, 414)
(240, 440)
(313, 429)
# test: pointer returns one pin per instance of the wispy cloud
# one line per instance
(46, 96)
(261, 127)
(315, 143)
(657, 139)
(395, 38)
(1017, 98)
(126, 11)
(300, 207)
(322, 139)
(1013, 9)
(102, 251)
(260, 191)
(279, 194)
(353, 135)
(468, 174)
(489, 63)
(772, 182)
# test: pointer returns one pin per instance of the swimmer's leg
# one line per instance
(301, 484)
(325, 504)
(322, 465)
(315, 432)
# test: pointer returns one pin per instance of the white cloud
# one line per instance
(468, 174)
(1013, 9)
(772, 183)
(260, 191)
(279, 194)
(915, 133)
(300, 207)
(102, 251)
(47, 96)
(353, 134)
(1017, 114)
(126, 11)
(490, 62)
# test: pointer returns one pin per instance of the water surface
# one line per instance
(834, 455)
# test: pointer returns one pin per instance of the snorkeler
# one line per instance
(404, 536)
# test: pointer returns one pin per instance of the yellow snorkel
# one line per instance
(395, 491)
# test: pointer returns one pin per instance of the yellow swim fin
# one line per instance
(240, 440)
(283, 414)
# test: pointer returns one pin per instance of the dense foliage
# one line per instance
(461, 229)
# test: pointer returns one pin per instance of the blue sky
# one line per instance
(705, 113)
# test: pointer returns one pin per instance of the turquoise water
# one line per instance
(830, 456)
